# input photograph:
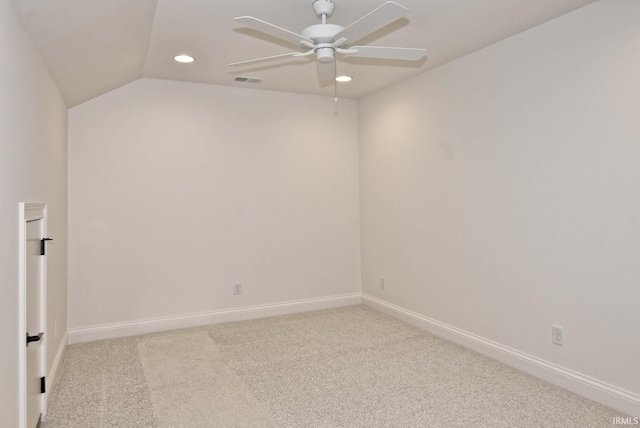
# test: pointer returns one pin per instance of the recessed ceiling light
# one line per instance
(343, 79)
(184, 58)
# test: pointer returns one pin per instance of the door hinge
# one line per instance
(43, 241)
(43, 384)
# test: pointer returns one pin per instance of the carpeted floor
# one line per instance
(347, 367)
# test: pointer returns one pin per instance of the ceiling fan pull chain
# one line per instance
(335, 82)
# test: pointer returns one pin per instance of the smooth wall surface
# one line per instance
(499, 192)
(179, 190)
(33, 162)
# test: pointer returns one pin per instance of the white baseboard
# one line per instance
(132, 328)
(601, 392)
(57, 360)
(52, 376)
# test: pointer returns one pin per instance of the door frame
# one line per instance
(30, 212)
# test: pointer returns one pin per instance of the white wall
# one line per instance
(33, 164)
(499, 192)
(178, 190)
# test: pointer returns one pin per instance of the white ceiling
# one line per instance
(94, 46)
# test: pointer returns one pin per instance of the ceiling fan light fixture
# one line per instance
(185, 59)
(343, 79)
(325, 54)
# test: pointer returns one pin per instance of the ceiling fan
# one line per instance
(327, 40)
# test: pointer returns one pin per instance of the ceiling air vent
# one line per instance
(243, 79)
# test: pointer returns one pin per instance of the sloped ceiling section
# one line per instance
(94, 46)
(90, 47)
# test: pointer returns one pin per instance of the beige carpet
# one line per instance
(347, 367)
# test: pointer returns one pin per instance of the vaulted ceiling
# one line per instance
(94, 46)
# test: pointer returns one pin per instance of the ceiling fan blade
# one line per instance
(382, 52)
(373, 21)
(266, 58)
(274, 30)
(326, 70)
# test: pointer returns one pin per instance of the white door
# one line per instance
(34, 341)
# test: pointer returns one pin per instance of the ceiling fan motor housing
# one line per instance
(323, 35)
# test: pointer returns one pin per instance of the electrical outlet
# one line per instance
(237, 288)
(383, 283)
(557, 335)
